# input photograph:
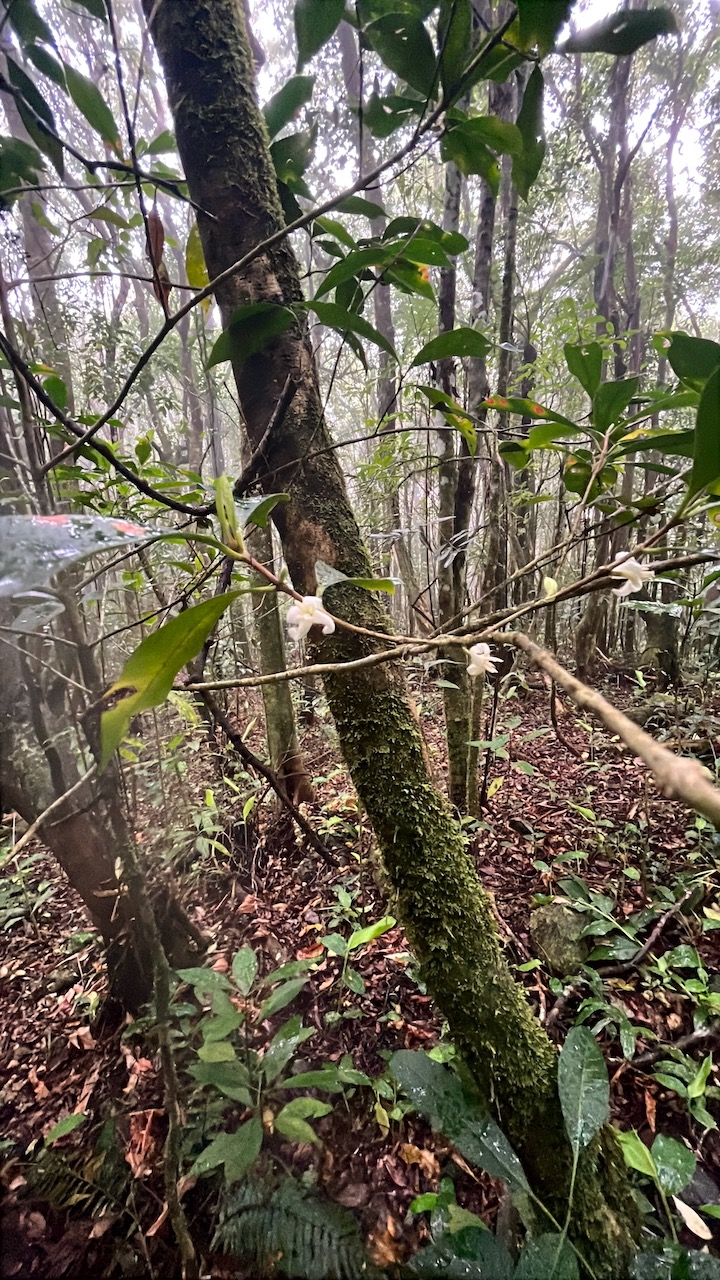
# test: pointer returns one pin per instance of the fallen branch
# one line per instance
(677, 777)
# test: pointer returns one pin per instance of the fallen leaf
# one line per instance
(425, 1159)
(692, 1220)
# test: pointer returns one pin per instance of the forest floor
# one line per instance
(568, 817)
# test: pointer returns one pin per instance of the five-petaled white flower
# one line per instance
(307, 613)
(634, 573)
(481, 661)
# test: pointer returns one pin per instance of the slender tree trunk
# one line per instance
(449, 920)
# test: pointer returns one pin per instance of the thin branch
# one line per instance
(46, 813)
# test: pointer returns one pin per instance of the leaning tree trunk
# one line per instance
(223, 144)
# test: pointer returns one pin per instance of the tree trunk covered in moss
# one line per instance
(449, 919)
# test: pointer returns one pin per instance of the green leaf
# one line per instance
(636, 1154)
(410, 279)
(64, 1126)
(291, 1121)
(540, 22)
(547, 1257)
(454, 42)
(257, 510)
(674, 1163)
(343, 322)
(526, 166)
(315, 22)
(692, 359)
(34, 548)
(471, 1252)
(706, 458)
(386, 113)
(46, 63)
(95, 7)
(439, 1095)
(217, 1051)
(674, 443)
(250, 329)
(287, 102)
(31, 104)
(611, 400)
(19, 164)
(352, 264)
(163, 142)
(281, 998)
(291, 156)
(231, 1079)
(148, 675)
(583, 1087)
(585, 361)
(56, 388)
(623, 33)
(360, 207)
(244, 969)
(282, 1047)
(26, 22)
(362, 936)
(89, 100)
(472, 143)
(195, 265)
(458, 342)
(328, 1079)
(697, 1086)
(406, 48)
(236, 1151)
(453, 414)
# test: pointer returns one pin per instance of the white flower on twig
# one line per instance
(481, 661)
(307, 613)
(634, 573)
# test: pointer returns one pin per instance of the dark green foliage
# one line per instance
(302, 1234)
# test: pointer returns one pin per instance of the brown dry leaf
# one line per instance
(102, 1225)
(82, 1039)
(40, 1090)
(186, 1183)
(353, 1196)
(249, 905)
(650, 1109)
(673, 1022)
(144, 1144)
(425, 1159)
(384, 1248)
(310, 953)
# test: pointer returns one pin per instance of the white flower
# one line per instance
(634, 573)
(307, 613)
(481, 661)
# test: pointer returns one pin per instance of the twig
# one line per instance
(249, 757)
(703, 1036)
(42, 818)
(569, 746)
(249, 473)
(678, 778)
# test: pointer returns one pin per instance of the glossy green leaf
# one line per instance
(361, 937)
(217, 1050)
(89, 100)
(706, 457)
(547, 1257)
(611, 400)
(95, 7)
(454, 42)
(235, 1151)
(622, 33)
(360, 207)
(439, 1095)
(327, 1079)
(343, 322)
(34, 548)
(231, 1079)
(291, 1122)
(244, 969)
(411, 229)
(675, 443)
(585, 361)
(674, 1163)
(257, 510)
(291, 156)
(315, 22)
(281, 997)
(250, 329)
(636, 1154)
(46, 63)
(583, 1087)
(406, 48)
(386, 113)
(541, 21)
(288, 102)
(26, 21)
(453, 413)
(64, 1126)
(526, 166)
(458, 342)
(352, 264)
(471, 1253)
(692, 359)
(195, 265)
(472, 145)
(282, 1047)
(148, 675)
(35, 114)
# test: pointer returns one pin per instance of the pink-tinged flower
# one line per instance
(634, 573)
(307, 613)
(481, 661)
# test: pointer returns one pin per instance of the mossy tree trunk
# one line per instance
(204, 51)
